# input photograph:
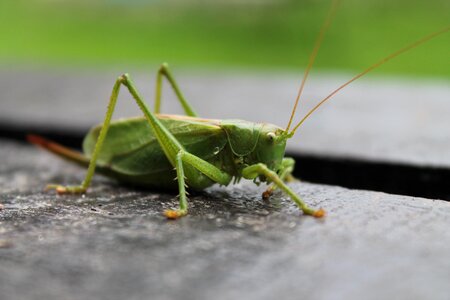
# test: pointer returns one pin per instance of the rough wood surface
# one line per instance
(114, 244)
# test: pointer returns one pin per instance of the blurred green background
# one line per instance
(223, 34)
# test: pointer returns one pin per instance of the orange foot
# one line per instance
(174, 214)
(319, 213)
(61, 190)
(267, 193)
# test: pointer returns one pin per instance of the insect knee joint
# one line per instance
(124, 78)
(262, 166)
(180, 154)
(164, 67)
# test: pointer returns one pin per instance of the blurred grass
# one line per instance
(223, 34)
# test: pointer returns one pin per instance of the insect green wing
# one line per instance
(131, 148)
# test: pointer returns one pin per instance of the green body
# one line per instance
(155, 150)
(131, 153)
(175, 152)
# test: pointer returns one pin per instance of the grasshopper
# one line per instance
(152, 150)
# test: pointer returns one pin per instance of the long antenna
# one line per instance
(313, 55)
(384, 60)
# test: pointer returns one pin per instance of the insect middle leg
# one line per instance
(253, 171)
(164, 71)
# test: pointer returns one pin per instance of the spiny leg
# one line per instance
(172, 148)
(182, 211)
(200, 165)
(60, 189)
(253, 171)
(285, 174)
(168, 142)
(211, 171)
(164, 71)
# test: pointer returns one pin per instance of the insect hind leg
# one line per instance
(182, 211)
(159, 129)
(165, 72)
(77, 189)
(186, 160)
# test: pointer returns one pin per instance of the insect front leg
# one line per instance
(285, 174)
(253, 171)
(164, 71)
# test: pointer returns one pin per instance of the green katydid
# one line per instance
(151, 151)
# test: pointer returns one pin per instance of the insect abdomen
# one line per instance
(131, 153)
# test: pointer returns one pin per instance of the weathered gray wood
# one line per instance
(114, 244)
(377, 119)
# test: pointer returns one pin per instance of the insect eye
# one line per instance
(271, 136)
